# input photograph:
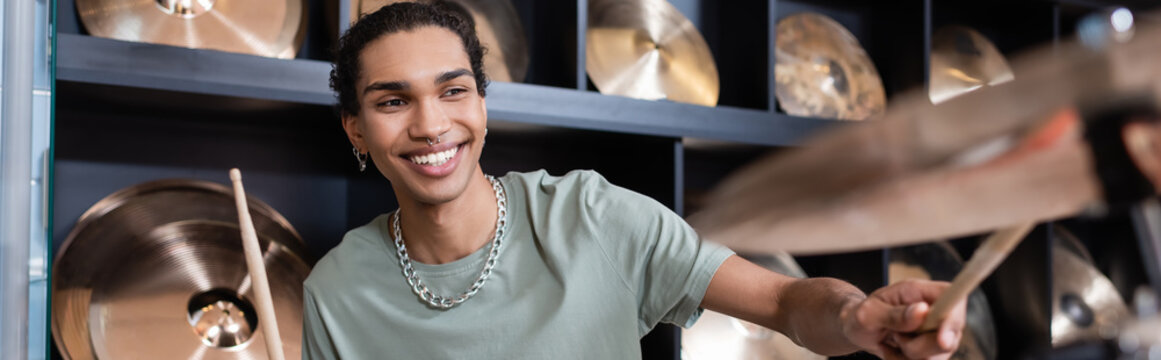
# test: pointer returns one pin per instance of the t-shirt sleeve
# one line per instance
(316, 339)
(657, 254)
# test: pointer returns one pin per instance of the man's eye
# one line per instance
(392, 102)
(455, 91)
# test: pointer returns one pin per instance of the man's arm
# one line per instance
(832, 317)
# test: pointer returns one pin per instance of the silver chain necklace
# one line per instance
(442, 302)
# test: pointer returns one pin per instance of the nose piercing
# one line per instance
(429, 142)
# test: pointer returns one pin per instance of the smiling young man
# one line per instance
(529, 265)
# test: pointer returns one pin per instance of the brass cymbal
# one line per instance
(963, 60)
(646, 49)
(498, 27)
(939, 261)
(156, 271)
(272, 28)
(1085, 303)
(822, 71)
(719, 336)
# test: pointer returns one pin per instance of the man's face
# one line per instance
(415, 86)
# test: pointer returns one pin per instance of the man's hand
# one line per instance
(885, 322)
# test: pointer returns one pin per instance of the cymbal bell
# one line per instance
(497, 26)
(646, 49)
(141, 277)
(821, 70)
(272, 28)
(963, 60)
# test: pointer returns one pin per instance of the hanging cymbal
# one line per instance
(962, 60)
(719, 336)
(646, 49)
(1085, 303)
(497, 26)
(156, 271)
(272, 28)
(822, 71)
(939, 261)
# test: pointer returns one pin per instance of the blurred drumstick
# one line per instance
(257, 270)
(987, 257)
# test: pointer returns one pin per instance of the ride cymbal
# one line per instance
(821, 71)
(156, 271)
(962, 60)
(646, 49)
(272, 28)
(719, 336)
(498, 27)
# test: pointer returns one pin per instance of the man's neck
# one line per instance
(442, 233)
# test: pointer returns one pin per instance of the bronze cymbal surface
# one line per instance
(1085, 303)
(272, 28)
(719, 336)
(963, 60)
(646, 49)
(822, 71)
(156, 271)
(939, 261)
(498, 27)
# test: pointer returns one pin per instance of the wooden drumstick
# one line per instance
(257, 268)
(987, 257)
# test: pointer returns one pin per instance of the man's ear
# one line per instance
(1143, 142)
(354, 133)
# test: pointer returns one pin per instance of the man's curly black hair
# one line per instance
(404, 16)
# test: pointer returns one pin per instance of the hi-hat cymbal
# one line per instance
(939, 261)
(719, 336)
(646, 49)
(821, 71)
(962, 60)
(156, 271)
(273, 28)
(498, 27)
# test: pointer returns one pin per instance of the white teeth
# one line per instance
(435, 159)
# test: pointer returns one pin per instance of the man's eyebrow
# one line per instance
(448, 76)
(388, 86)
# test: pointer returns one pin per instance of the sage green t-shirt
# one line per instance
(586, 269)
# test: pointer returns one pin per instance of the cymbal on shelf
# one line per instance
(963, 60)
(822, 71)
(646, 49)
(498, 27)
(272, 28)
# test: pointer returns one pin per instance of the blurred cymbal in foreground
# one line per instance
(821, 71)
(987, 159)
(646, 49)
(272, 28)
(963, 60)
(156, 271)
